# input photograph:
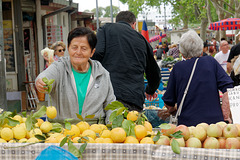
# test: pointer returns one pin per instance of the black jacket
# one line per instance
(126, 54)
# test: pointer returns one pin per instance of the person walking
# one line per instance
(127, 55)
(222, 56)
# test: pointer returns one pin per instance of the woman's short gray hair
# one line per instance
(190, 44)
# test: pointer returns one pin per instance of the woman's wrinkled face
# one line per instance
(59, 51)
(80, 51)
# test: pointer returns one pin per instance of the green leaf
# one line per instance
(144, 116)
(57, 127)
(40, 137)
(117, 122)
(125, 113)
(79, 116)
(45, 80)
(49, 89)
(165, 126)
(28, 123)
(73, 149)
(177, 134)
(12, 122)
(82, 148)
(109, 126)
(175, 146)
(64, 140)
(50, 81)
(114, 105)
(68, 119)
(120, 110)
(13, 113)
(68, 125)
(128, 126)
(112, 116)
(24, 113)
(90, 116)
(156, 138)
(140, 121)
(40, 112)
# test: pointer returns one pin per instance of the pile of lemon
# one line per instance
(95, 133)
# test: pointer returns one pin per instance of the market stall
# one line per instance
(123, 151)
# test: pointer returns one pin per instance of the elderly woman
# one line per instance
(81, 85)
(59, 49)
(202, 103)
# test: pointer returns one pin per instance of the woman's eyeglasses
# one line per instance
(60, 50)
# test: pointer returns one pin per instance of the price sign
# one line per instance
(234, 101)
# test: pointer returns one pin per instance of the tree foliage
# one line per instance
(106, 12)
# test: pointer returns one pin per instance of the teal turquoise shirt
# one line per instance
(81, 80)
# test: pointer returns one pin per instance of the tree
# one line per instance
(100, 11)
(115, 11)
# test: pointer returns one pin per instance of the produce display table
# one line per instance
(122, 151)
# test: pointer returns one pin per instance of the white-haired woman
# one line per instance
(202, 103)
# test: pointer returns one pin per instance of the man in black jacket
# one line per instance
(127, 55)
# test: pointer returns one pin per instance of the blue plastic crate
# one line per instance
(158, 102)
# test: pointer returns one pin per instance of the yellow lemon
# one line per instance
(18, 118)
(107, 140)
(118, 135)
(83, 126)
(99, 140)
(12, 141)
(32, 140)
(131, 139)
(132, 115)
(60, 137)
(148, 126)
(39, 122)
(103, 127)
(75, 139)
(23, 140)
(74, 131)
(51, 112)
(51, 140)
(19, 132)
(7, 134)
(147, 140)
(140, 131)
(2, 140)
(96, 128)
(34, 132)
(89, 133)
(105, 134)
(46, 127)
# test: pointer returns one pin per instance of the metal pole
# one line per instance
(97, 14)
(111, 11)
(165, 20)
(3, 91)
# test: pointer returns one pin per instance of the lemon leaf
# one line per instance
(40, 137)
(13, 113)
(82, 148)
(165, 126)
(12, 122)
(90, 116)
(63, 141)
(177, 134)
(68, 125)
(51, 81)
(117, 122)
(175, 146)
(156, 138)
(45, 80)
(120, 110)
(40, 112)
(24, 113)
(79, 116)
(112, 116)
(29, 123)
(128, 126)
(73, 149)
(114, 105)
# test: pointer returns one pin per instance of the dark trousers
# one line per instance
(130, 106)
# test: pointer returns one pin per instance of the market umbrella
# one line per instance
(157, 37)
(226, 24)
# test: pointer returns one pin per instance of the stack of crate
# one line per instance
(165, 73)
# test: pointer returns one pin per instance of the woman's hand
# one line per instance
(41, 86)
(171, 109)
(151, 97)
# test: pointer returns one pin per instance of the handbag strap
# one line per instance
(186, 90)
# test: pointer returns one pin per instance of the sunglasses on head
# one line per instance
(60, 50)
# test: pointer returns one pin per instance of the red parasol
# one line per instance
(226, 24)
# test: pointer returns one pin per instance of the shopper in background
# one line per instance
(202, 102)
(222, 56)
(127, 55)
